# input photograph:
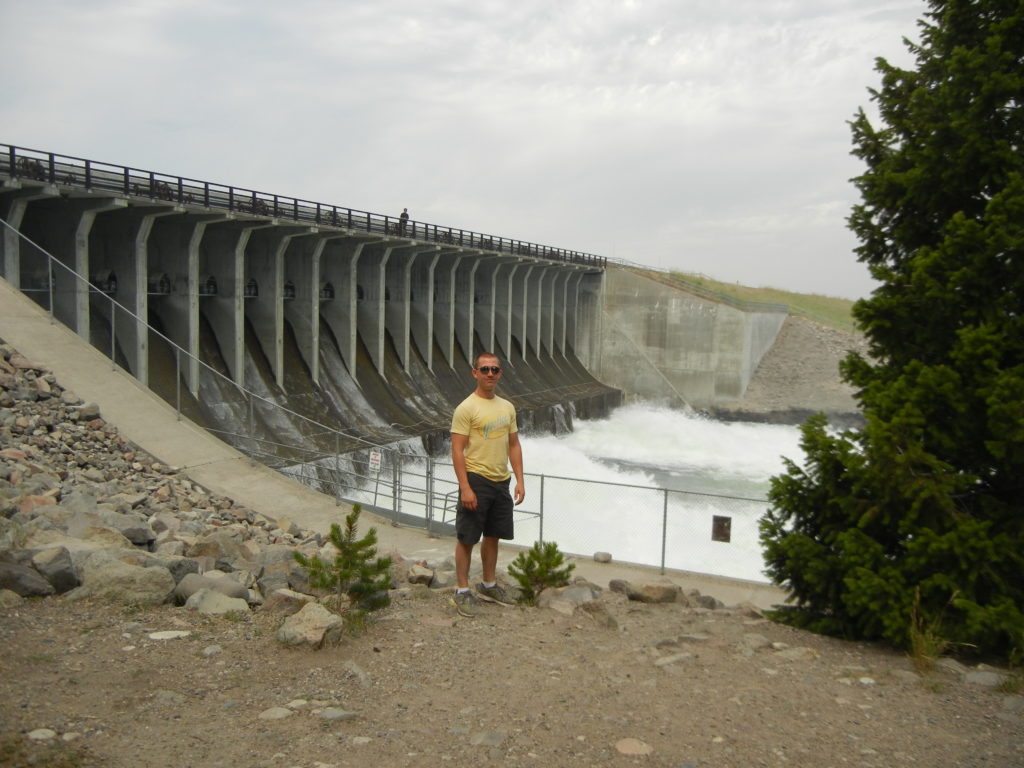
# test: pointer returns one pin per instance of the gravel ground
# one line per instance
(659, 685)
(667, 686)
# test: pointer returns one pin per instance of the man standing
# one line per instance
(485, 440)
(403, 220)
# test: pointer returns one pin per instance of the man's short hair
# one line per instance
(476, 360)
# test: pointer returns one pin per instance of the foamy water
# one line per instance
(646, 483)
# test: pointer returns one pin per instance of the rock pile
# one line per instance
(84, 513)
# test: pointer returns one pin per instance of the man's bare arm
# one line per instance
(515, 458)
(466, 495)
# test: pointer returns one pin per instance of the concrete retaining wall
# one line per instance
(661, 343)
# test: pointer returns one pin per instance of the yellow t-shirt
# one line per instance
(488, 422)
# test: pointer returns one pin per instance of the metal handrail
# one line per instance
(92, 175)
(408, 498)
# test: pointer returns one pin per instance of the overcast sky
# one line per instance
(700, 135)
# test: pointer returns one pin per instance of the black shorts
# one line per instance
(493, 514)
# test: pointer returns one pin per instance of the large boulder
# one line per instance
(566, 600)
(280, 570)
(651, 593)
(179, 566)
(105, 575)
(313, 626)
(97, 558)
(213, 603)
(225, 548)
(193, 583)
(55, 565)
(81, 502)
(277, 554)
(90, 528)
(287, 601)
(23, 580)
(132, 525)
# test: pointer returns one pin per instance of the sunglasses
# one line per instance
(485, 369)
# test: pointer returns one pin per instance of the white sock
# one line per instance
(488, 586)
(462, 590)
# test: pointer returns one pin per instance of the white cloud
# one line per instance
(702, 135)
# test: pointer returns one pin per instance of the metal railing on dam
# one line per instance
(92, 175)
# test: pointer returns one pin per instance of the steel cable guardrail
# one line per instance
(95, 176)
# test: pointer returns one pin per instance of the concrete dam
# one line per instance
(289, 315)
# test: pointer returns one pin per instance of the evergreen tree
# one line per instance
(928, 498)
(356, 570)
(540, 567)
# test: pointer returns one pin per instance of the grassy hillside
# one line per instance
(827, 310)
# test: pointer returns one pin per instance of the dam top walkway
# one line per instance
(95, 176)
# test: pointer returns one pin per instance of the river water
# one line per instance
(696, 461)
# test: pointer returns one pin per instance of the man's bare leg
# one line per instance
(489, 558)
(463, 555)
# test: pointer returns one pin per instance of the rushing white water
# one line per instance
(724, 457)
(645, 484)
(694, 461)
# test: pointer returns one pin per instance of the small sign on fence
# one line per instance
(375, 459)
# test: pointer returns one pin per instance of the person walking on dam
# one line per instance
(485, 441)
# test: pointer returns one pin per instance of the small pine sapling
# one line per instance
(540, 567)
(356, 571)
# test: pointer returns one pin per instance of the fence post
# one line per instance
(252, 420)
(337, 470)
(177, 381)
(51, 279)
(429, 511)
(396, 484)
(541, 534)
(664, 528)
(113, 334)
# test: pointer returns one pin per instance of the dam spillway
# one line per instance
(344, 317)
